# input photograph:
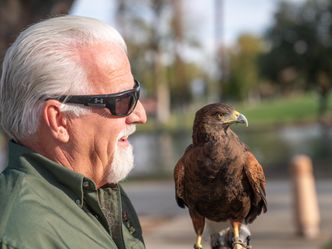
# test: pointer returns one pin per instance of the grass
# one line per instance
(284, 111)
(290, 110)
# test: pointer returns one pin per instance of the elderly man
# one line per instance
(68, 103)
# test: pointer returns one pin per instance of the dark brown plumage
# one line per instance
(217, 177)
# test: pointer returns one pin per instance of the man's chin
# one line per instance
(122, 164)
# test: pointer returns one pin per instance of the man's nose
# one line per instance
(138, 116)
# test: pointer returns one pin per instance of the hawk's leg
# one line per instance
(198, 244)
(237, 243)
(198, 222)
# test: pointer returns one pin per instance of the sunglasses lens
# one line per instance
(125, 104)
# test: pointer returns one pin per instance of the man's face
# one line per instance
(98, 137)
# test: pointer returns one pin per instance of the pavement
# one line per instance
(165, 225)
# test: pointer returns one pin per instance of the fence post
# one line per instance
(305, 202)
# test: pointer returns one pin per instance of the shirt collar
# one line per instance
(72, 183)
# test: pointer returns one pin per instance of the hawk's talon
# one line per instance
(198, 247)
(240, 245)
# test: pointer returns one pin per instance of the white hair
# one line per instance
(43, 61)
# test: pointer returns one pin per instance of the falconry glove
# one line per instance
(225, 239)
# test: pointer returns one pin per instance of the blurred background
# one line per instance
(270, 59)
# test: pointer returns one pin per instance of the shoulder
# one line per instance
(18, 214)
(8, 245)
(20, 192)
(25, 211)
(27, 235)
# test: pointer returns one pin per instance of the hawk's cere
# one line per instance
(217, 177)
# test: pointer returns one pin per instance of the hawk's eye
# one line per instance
(219, 115)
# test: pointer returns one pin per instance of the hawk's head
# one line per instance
(215, 117)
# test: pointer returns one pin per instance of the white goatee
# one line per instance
(123, 159)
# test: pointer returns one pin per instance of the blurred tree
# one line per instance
(180, 83)
(162, 87)
(156, 42)
(136, 30)
(17, 14)
(300, 41)
(243, 68)
(143, 34)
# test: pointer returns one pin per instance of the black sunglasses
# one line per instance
(119, 104)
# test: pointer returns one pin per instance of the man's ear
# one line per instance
(55, 121)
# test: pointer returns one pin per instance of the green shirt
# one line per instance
(45, 205)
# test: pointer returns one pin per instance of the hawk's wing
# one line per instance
(179, 172)
(255, 175)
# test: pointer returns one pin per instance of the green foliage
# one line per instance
(301, 46)
(243, 69)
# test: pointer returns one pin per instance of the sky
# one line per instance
(239, 15)
(99, 9)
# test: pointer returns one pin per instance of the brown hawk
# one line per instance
(217, 177)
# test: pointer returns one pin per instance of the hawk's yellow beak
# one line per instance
(237, 117)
